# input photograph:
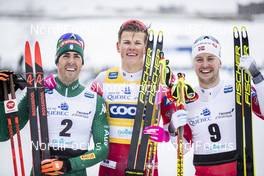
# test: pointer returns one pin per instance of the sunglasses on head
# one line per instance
(71, 36)
(206, 37)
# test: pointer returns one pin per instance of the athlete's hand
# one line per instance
(18, 80)
(179, 118)
(4, 75)
(157, 134)
(249, 64)
(52, 167)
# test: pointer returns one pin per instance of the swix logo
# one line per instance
(10, 104)
(201, 48)
(122, 111)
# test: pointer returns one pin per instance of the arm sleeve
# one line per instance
(22, 116)
(258, 99)
(97, 84)
(100, 131)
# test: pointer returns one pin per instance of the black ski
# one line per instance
(132, 156)
(41, 104)
(31, 95)
(244, 141)
(40, 149)
(238, 103)
(247, 109)
(146, 101)
(150, 102)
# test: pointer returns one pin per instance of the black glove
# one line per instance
(134, 172)
(19, 81)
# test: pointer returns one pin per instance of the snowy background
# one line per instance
(98, 22)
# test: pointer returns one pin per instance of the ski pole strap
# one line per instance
(134, 172)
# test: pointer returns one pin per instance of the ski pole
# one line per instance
(13, 96)
(180, 102)
(9, 104)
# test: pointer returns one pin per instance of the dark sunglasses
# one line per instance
(71, 36)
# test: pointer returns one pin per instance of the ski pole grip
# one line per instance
(50, 82)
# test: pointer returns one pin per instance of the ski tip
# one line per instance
(36, 44)
(244, 31)
(27, 44)
(27, 54)
(37, 54)
(235, 32)
(243, 28)
(235, 29)
(160, 37)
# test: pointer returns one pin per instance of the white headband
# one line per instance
(206, 44)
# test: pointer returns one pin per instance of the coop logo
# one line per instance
(10, 106)
(122, 111)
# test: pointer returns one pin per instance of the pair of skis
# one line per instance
(37, 108)
(11, 113)
(146, 104)
(244, 137)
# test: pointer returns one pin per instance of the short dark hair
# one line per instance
(133, 25)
